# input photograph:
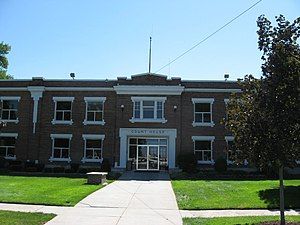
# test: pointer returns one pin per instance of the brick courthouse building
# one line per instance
(141, 123)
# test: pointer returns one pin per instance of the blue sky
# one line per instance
(106, 39)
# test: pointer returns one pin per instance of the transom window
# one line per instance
(7, 147)
(94, 110)
(203, 149)
(148, 109)
(9, 108)
(63, 110)
(203, 112)
(93, 145)
(60, 147)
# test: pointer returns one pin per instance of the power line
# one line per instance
(209, 36)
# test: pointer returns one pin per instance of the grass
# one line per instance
(235, 220)
(44, 190)
(201, 194)
(21, 218)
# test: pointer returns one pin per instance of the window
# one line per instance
(7, 145)
(63, 110)
(203, 111)
(94, 110)
(61, 147)
(232, 152)
(9, 108)
(203, 149)
(148, 109)
(93, 145)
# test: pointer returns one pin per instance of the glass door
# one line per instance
(142, 158)
(153, 158)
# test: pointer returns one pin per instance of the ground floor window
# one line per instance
(61, 147)
(93, 145)
(203, 149)
(7, 147)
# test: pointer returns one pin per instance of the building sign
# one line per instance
(148, 132)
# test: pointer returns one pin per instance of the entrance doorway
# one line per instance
(148, 153)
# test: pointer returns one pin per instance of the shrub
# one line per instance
(221, 165)
(187, 162)
(106, 166)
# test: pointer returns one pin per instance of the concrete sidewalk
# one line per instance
(135, 198)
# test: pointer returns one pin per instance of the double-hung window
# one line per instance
(9, 108)
(203, 149)
(7, 145)
(93, 145)
(232, 153)
(63, 110)
(203, 111)
(94, 110)
(148, 109)
(61, 147)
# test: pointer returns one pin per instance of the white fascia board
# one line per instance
(229, 138)
(15, 135)
(79, 89)
(13, 89)
(138, 98)
(10, 98)
(215, 90)
(93, 136)
(203, 100)
(203, 138)
(94, 99)
(63, 98)
(69, 136)
(148, 90)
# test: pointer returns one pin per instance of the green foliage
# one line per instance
(221, 165)
(4, 50)
(265, 117)
(187, 162)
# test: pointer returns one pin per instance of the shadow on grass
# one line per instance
(291, 197)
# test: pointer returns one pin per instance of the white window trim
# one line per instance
(58, 99)
(94, 99)
(228, 138)
(17, 98)
(14, 135)
(204, 100)
(66, 136)
(226, 100)
(149, 120)
(92, 137)
(205, 138)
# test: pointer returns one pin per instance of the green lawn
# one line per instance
(235, 220)
(201, 194)
(44, 190)
(21, 218)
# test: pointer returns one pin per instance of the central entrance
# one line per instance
(148, 153)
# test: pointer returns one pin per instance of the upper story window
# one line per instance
(94, 110)
(9, 108)
(203, 111)
(61, 147)
(148, 109)
(63, 110)
(93, 145)
(203, 149)
(7, 145)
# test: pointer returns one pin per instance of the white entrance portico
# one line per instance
(127, 134)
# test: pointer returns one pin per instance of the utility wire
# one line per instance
(209, 36)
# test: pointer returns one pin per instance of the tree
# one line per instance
(265, 117)
(4, 50)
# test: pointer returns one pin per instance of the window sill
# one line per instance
(84, 160)
(10, 157)
(93, 122)
(60, 159)
(10, 121)
(195, 124)
(206, 162)
(65, 122)
(133, 120)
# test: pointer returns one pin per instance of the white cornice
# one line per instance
(79, 89)
(224, 90)
(148, 90)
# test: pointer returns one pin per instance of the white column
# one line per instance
(123, 149)
(172, 150)
(36, 93)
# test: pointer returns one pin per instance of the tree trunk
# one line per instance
(282, 218)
